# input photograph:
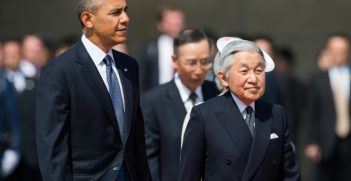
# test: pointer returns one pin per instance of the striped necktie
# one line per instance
(115, 93)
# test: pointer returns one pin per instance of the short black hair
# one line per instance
(189, 35)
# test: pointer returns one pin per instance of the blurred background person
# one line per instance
(164, 107)
(35, 55)
(12, 56)
(324, 61)
(121, 48)
(10, 133)
(292, 89)
(328, 114)
(0, 54)
(64, 44)
(61, 48)
(155, 56)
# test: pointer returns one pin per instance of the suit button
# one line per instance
(115, 168)
(228, 162)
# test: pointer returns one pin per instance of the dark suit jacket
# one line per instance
(27, 112)
(76, 130)
(218, 145)
(321, 114)
(164, 112)
(10, 124)
(148, 63)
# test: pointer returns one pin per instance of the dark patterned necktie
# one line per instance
(115, 94)
(250, 120)
(193, 97)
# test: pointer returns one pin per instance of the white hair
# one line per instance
(224, 60)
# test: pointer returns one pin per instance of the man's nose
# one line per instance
(198, 69)
(124, 18)
(252, 77)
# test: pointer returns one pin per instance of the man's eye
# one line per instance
(117, 12)
(243, 71)
(259, 70)
(191, 63)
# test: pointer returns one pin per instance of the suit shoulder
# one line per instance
(210, 85)
(157, 92)
(212, 104)
(59, 64)
(124, 57)
(65, 58)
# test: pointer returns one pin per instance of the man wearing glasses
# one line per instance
(164, 107)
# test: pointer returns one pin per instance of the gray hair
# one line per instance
(86, 5)
(224, 59)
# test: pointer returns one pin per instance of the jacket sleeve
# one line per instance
(193, 149)
(290, 168)
(152, 137)
(13, 121)
(53, 125)
(140, 149)
(312, 113)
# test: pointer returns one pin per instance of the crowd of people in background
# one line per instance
(319, 119)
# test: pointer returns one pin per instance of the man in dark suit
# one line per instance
(328, 114)
(164, 107)
(89, 123)
(155, 56)
(236, 136)
(10, 132)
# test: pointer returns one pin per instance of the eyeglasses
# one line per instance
(193, 63)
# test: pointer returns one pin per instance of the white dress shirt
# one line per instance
(340, 76)
(97, 55)
(18, 80)
(185, 93)
(242, 106)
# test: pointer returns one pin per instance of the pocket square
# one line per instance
(273, 136)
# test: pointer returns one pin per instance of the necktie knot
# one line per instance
(249, 110)
(108, 60)
(193, 97)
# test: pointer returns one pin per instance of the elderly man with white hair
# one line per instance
(236, 136)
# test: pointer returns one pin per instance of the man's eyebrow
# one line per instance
(262, 63)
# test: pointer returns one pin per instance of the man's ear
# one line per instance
(175, 61)
(222, 79)
(87, 19)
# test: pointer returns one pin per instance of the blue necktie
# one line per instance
(250, 120)
(115, 93)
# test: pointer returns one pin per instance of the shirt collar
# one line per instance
(242, 106)
(184, 91)
(96, 54)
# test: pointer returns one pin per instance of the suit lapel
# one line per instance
(234, 124)
(94, 81)
(175, 102)
(127, 91)
(262, 136)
